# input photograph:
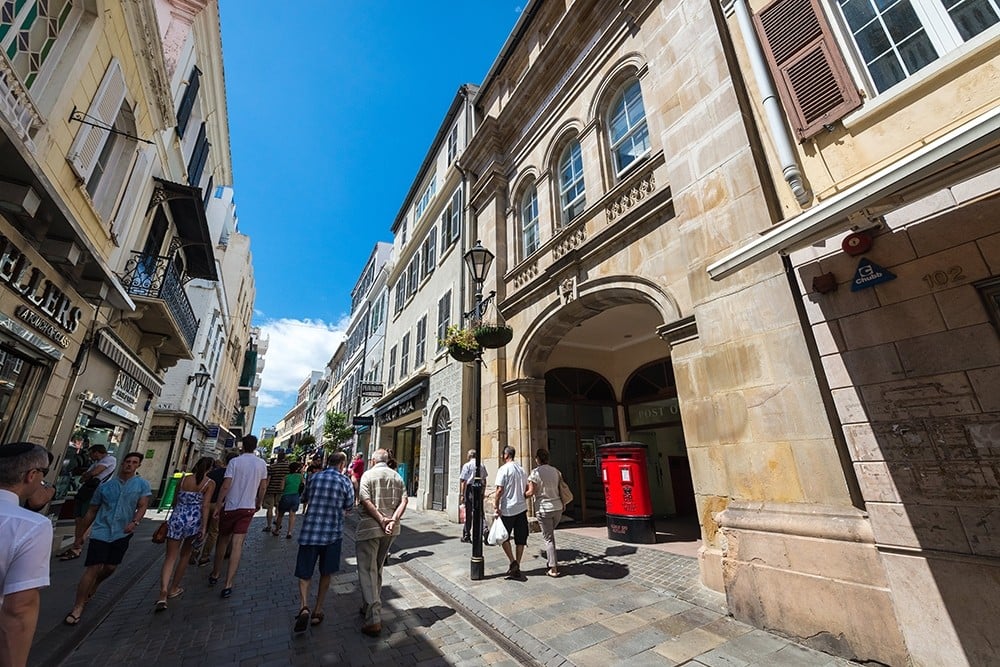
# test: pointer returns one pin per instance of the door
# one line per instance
(439, 460)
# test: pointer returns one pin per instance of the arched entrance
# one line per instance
(580, 410)
(653, 417)
(439, 459)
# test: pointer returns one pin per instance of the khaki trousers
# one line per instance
(371, 558)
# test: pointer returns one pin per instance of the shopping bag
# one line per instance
(461, 514)
(498, 533)
(565, 493)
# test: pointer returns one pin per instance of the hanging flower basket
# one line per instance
(494, 335)
(462, 354)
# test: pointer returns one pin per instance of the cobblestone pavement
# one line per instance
(615, 604)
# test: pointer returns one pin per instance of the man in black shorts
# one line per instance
(115, 511)
(512, 508)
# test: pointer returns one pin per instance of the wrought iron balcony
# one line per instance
(155, 278)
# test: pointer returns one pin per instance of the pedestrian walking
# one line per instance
(290, 496)
(101, 469)
(383, 499)
(330, 495)
(512, 508)
(188, 523)
(242, 494)
(275, 487)
(466, 491)
(314, 467)
(543, 486)
(217, 474)
(115, 511)
(357, 470)
(25, 545)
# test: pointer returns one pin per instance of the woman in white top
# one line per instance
(543, 486)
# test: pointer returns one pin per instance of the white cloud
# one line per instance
(295, 348)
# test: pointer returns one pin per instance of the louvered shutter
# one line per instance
(187, 102)
(137, 180)
(812, 77)
(104, 110)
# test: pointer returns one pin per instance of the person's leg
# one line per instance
(366, 552)
(304, 592)
(225, 539)
(277, 521)
(507, 550)
(470, 499)
(186, 548)
(545, 523)
(234, 560)
(211, 537)
(520, 534)
(269, 506)
(88, 584)
(291, 521)
(324, 586)
(167, 571)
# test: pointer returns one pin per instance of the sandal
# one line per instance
(71, 554)
(302, 620)
(317, 618)
(161, 605)
(179, 592)
(288, 536)
(71, 619)
(554, 573)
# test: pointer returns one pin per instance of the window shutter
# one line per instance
(103, 109)
(199, 155)
(812, 77)
(187, 102)
(136, 182)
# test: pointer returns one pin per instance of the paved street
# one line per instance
(615, 604)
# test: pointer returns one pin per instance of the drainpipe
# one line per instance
(772, 107)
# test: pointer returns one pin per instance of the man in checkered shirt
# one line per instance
(329, 494)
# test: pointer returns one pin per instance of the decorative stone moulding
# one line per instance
(573, 240)
(494, 336)
(632, 197)
(525, 275)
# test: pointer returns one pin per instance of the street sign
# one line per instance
(372, 390)
(364, 421)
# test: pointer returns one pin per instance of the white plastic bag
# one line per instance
(498, 533)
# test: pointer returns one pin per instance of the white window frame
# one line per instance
(571, 206)
(528, 212)
(633, 126)
(936, 23)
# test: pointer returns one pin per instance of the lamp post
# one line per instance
(478, 260)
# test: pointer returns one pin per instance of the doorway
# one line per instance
(439, 460)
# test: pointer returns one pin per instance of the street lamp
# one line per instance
(478, 260)
(199, 378)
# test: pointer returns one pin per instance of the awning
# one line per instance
(187, 208)
(833, 215)
(114, 350)
(406, 395)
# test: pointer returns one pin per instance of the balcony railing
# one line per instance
(16, 104)
(156, 277)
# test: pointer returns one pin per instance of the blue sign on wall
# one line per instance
(870, 274)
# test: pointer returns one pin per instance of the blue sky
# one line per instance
(331, 111)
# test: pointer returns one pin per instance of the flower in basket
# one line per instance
(460, 337)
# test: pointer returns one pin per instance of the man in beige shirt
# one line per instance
(383, 498)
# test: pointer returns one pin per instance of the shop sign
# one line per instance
(364, 421)
(372, 390)
(398, 411)
(17, 273)
(126, 389)
(654, 412)
(162, 433)
(37, 322)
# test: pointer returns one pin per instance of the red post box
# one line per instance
(626, 492)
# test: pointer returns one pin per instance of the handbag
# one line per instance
(498, 533)
(565, 493)
(160, 535)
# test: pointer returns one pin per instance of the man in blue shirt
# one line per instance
(329, 494)
(115, 511)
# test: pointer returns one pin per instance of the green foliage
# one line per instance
(456, 336)
(336, 430)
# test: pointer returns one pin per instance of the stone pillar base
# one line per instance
(812, 573)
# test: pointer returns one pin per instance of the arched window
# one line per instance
(572, 196)
(529, 222)
(627, 129)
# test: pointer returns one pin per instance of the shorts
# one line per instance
(327, 554)
(289, 503)
(517, 527)
(235, 522)
(107, 553)
(270, 501)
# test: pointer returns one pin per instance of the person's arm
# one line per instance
(140, 511)
(223, 492)
(18, 618)
(88, 519)
(96, 471)
(206, 502)
(261, 488)
(390, 524)
(530, 490)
